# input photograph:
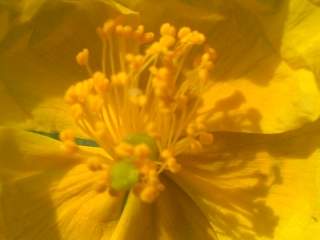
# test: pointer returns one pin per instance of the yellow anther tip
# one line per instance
(124, 150)
(173, 166)
(147, 37)
(149, 194)
(100, 82)
(190, 130)
(82, 57)
(106, 29)
(120, 29)
(183, 32)
(166, 154)
(167, 41)
(76, 111)
(120, 78)
(70, 146)
(142, 100)
(66, 135)
(167, 29)
(142, 151)
(71, 95)
(127, 30)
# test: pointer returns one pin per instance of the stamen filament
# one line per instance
(149, 96)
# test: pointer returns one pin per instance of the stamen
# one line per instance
(142, 140)
(142, 106)
(82, 59)
(68, 139)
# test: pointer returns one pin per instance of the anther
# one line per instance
(67, 135)
(68, 140)
(139, 31)
(167, 41)
(147, 37)
(149, 194)
(82, 57)
(124, 149)
(76, 111)
(142, 151)
(173, 166)
(142, 138)
(167, 29)
(183, 32)
(120, 79)
(71, 95)
(152, 130)
(127, 30)
(120, 29)
(106, 29)
(100, 82)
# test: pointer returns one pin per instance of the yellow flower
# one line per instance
(166, 136)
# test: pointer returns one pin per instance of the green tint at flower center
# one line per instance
(124, 175)
(143, 138)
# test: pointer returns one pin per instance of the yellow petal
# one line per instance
(258, 187)
(301, 38)
(270, 98)
(37, 60)
(136, 221)
(46, 194)
(179, 218)
(277, 96)
(292, 27)
(29, 8)
(169, 218)
(250, 63)
(58, 204)
(25, 152)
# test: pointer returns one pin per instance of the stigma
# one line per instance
(141, 104)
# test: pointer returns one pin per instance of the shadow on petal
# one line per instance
(244, 183)
(227, 113)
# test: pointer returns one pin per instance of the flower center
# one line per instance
(142, 106)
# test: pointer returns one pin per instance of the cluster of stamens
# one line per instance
(142, 105)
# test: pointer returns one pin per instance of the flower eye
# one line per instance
(142, 105)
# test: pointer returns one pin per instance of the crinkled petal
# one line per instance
(258, 186)
(200, 14)
(292, 26)
(37, 60)
(301, 38)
